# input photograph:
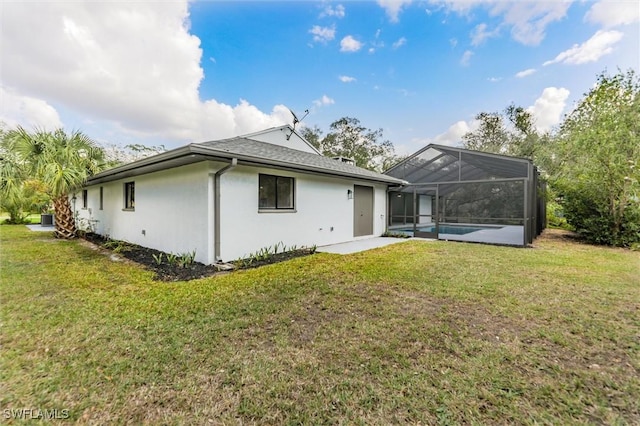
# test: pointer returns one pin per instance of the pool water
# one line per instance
(449, 229)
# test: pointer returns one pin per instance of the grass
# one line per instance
(417, 332)
(32, 218)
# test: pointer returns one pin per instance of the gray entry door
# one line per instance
(362, 210)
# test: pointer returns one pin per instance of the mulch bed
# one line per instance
(173, 272)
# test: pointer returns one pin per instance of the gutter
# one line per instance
(216, 207)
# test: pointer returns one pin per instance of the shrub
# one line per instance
(588, 212)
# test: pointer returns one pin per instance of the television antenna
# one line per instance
(296, 120)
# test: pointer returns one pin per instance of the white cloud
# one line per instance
(459, 6)
(399, 43)
(324, 100)
(600, 44)
(453, 42)
(455, 132)
(393, 8)
(526, 73)
(466, 58)
(610, 13)
(548, 108)
(133, 65)
(377, 43)
(451, 137)
(546, 111)
(480, 34)
(528, 20)
(494, 79)
(337, 12)
(346, 79)
(350, 44)
(323, 34)
(27, 111)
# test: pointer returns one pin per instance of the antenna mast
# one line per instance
(296, 120)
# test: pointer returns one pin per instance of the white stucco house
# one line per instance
(228, 198)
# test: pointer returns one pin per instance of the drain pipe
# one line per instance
(216, 207)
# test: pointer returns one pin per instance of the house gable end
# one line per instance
(284, 136)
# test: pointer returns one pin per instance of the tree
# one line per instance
(597, 170)
(12, 176)
(116, 155)
(61, 162)
(349, 139)
(491, 135)
(19, 193)
(511, 132)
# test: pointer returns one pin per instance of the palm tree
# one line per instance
(62, 162)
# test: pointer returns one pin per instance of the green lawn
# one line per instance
(32, 218)
(417, 332)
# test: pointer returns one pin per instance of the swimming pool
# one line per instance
(448, 229)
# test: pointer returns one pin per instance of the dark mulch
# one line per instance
(173, 272)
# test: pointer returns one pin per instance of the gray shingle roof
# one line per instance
(248, 152)
(283, 157)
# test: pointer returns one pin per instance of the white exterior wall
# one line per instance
(170, 206)
(175, 209)
(321, 203)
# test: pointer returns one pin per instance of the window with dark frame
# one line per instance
(101, 198)
(276, 192)
(85, 198)
(130, 195)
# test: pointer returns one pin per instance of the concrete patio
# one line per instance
(40, 228)
(360, 245)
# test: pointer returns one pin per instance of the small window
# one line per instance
(130, 195)
(276, 193)
(85, 198)
(101, 198)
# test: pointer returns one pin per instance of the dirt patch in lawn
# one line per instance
(446, 324)
(168, 268)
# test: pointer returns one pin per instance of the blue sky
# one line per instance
(175, 72)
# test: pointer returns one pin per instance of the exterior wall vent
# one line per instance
(345, 160)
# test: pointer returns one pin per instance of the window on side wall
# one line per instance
(129, 195)
(101, 198)
(276, 193)
(85, 198)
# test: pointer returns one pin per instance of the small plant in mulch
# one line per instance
(272, 254)
(182, 266)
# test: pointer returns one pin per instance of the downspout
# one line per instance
(216, 207)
